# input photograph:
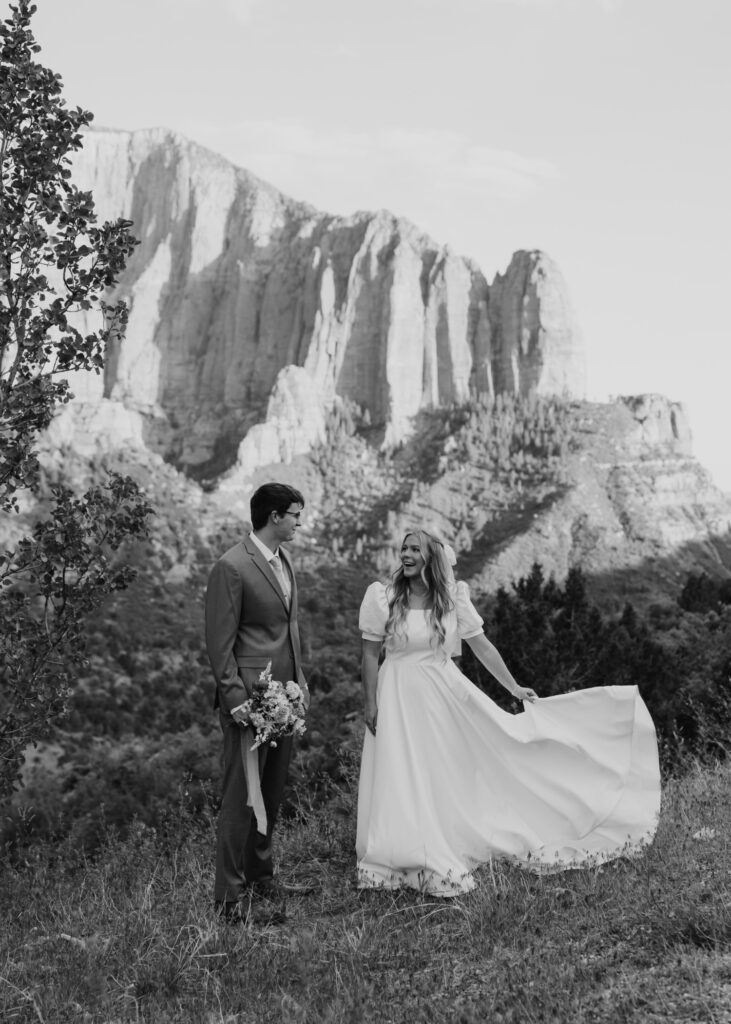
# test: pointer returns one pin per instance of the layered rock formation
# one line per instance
(627, 503)
(633, 501)
(250, 310)
(251, 314)
(536, 344)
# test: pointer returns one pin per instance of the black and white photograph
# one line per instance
(365, 512)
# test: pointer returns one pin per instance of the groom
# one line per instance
(251, 619)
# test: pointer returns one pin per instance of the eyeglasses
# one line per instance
(295, 515)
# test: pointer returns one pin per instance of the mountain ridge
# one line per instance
(241, 354)
(240, 295)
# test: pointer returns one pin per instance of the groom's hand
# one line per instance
(239, 715)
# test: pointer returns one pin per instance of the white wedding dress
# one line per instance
(451, 781)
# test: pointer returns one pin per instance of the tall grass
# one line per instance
(132, 937)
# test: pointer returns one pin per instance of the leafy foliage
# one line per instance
(56, 261)
(111, 785)
(56, 265)
(51, 582)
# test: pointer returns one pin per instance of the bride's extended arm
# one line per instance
(490, 657)
(369, 679)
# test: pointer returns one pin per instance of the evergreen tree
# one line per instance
(703, 594)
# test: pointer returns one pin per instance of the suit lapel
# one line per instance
(266, 570)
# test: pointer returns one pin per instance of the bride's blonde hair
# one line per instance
(438, 579)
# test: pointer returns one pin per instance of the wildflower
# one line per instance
(705, 833)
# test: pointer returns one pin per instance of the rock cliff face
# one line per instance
(252, 316)
(536, 342)
(251, 313)
(629, 505)
(634, 501)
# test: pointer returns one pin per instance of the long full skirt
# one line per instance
(452, 781)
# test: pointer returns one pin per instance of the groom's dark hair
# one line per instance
(272, 498)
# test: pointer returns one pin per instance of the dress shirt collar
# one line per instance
(267, 552)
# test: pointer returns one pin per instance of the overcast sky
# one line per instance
(596, 130)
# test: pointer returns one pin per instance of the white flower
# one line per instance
(705, 833)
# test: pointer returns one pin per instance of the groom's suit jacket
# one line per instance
(249, 623)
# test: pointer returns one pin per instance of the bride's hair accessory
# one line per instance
(449, 552)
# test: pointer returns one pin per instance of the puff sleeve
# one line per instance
(469, 621)
(374, 613)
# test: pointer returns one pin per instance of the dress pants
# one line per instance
(242, 854)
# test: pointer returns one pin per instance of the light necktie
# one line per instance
(276, 563)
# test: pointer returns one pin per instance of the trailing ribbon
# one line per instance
(254, 798)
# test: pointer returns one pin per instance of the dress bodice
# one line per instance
(462, 623)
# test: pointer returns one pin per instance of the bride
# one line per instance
(450, 781)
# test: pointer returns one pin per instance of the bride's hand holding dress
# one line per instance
(491, 658)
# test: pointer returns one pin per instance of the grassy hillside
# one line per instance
(131, 936)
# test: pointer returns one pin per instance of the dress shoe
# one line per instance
(274, 889)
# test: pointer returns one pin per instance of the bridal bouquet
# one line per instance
(275, 710)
